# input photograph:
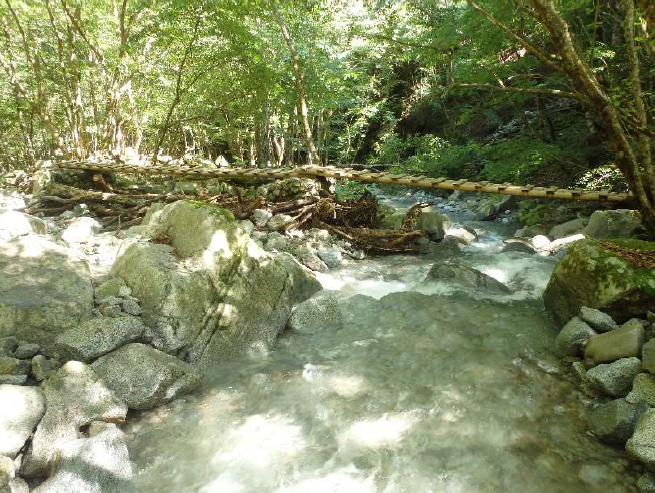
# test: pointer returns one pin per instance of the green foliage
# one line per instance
(517, 160)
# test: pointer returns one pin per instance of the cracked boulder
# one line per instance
(207, 290)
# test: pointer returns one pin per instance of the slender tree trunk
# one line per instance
(312, 155)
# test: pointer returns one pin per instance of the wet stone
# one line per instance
(616, 378)
(614, 422)
(573, 337)
(600, 321)
(26, 351)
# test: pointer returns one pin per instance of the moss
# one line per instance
(633, 244)
(213, 209)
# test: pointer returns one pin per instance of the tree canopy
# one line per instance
(505, 90)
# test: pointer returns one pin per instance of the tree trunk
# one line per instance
(312, 155)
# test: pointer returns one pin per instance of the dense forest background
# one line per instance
(483, 89)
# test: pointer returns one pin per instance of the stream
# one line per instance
(425, 388)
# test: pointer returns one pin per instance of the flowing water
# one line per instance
(425, 388)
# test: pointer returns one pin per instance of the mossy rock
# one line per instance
(591, 275)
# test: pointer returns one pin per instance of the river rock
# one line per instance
(8, 345)
(21, 410)
(321, 312)
(640, 445)
(278, 222)
(331, 256)
(100, 463)
(646, 483)
(568, 228)
(42, 367)
(573, 337)
(618, 223)
(26, 350)
(112, 288)
(519, 245)
(80, 230)
(44, 290)
(98, 336)
(75, 397)
(493, 205)
(464, 233)
(260, 217)
(211, 293)
(8, 365)
(433, 224)
(14, 223)
(7, 472)
(600, 321)
(648, 356)
(615, 421)
(616, 378)
(305, 284)
(624, 342)
(462, 275)
(643, 389)
(590, 275)
(144, 377)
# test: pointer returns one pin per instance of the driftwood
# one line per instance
(352, 220)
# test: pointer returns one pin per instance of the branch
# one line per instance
(537, 92)
(81, 32)
(547, 60)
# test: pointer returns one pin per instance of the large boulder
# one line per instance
(640, 445)
(207, 290)
(619, 223)
(143, 377)
(593, 276)
(75, 396)
(21, 410)
(44, 290)
(462, 275)
(98, 336)
(492, 206)
(97, 464)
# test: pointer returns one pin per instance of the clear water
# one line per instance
(425, 389)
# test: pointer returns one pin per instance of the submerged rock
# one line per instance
(462, 275)
(75, 396)
(616, 378)
(21, 409)
(624, 342)
(590, 275)
(143, 377)
(100, 463)
(44, 290)
(210, 293)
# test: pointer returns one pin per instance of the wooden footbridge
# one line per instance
(365, 176)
